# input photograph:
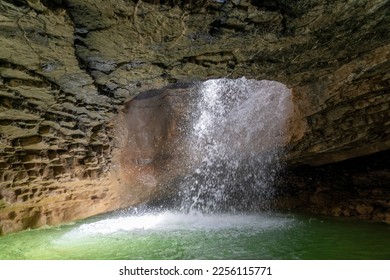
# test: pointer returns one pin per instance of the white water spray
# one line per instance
(235, 143)
(235, 138)
(173, 221)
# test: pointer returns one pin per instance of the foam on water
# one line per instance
(172, 235)
(234, 142)
(175, 221)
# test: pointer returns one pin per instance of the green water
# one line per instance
(170, 235)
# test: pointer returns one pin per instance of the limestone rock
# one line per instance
(68, 67)
(353, 188)
(364, 209)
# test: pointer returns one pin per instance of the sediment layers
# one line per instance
(68, 67)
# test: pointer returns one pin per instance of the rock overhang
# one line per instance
(68, 69)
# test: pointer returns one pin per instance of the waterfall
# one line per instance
(235, 142)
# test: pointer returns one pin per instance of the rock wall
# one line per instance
(68, 67)
(356, 188)
(347, 112)
(151, 141)
(55, 143)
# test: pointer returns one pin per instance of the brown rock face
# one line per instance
(68, 67)
(151, 146)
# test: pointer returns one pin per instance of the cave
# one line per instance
(221, 141)
(74, 76)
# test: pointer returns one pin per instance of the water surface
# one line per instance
(171, 235)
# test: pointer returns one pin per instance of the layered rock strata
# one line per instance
(68, 67)
(358, 188)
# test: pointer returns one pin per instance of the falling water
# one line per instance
(235, 144)
(235, 138)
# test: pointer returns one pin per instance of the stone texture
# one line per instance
(335, 56)
(151, 147)
(68, 67)
(55, 141)
(353, 188)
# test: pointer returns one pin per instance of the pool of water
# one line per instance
(172, 235)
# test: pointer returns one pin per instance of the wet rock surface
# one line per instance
(353, 188)
(151, 141)
(68, 67)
